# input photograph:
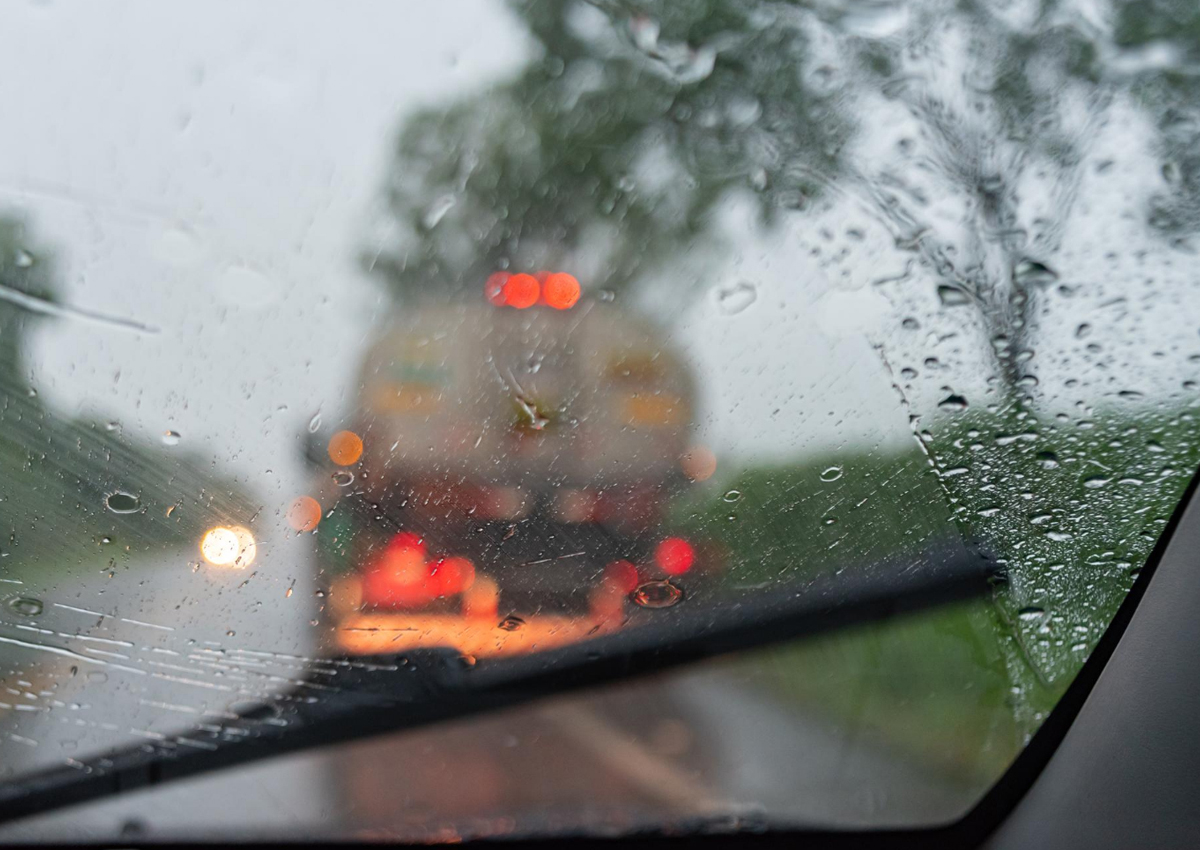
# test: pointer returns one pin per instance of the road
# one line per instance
(704, 745)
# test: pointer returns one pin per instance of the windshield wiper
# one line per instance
(381, 694)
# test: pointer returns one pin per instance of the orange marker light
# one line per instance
(521, 291)
(493, 287)
(345, 448)
(304, 514)
(698, 463)
(560, 291)
(675, 556)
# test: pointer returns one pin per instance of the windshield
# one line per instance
(329, 335)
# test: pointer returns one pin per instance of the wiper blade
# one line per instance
(385, 694)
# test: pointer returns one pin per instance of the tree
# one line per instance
(612, 149)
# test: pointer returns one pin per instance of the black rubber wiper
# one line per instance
(384, 694)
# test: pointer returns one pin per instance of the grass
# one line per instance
(1071, 508)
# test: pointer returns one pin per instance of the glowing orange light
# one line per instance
(304, 514)
(561, 291)
(521, 291)
(400, 577)
(345, 448)
(452, 575)
(606, 604)
(675, 556)
(482, 601)
(408, 540)
(493, 287)
(621, 575)
(698, 463)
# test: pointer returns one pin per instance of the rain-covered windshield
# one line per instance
(334, 333)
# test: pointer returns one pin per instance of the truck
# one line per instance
(511, 458)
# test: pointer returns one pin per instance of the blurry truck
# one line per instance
(513, 455)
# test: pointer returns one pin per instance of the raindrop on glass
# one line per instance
(732, 300)
(833, 473)
(656, 594)
(170, 438)
(26, 606)
(121, 502)
(952, 296)
(1032, 273)
(510, 624)
(436, 211)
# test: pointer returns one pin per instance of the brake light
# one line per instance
(408, 540)
(400, 577)
(521, 291)
(451, 575)
(554, 289)
(675, 556)
(560, 290)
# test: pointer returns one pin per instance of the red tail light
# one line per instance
(560, 291)
(554, 289)
(675, 556)
(521, 291)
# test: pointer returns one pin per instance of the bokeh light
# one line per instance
(345, 448)
(304, 514)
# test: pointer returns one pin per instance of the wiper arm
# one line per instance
(384, 694)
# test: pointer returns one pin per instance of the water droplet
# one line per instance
(1083, 331)
(656, 594)
(1047, 460)
(1031, 613)
(24, 259)
(121, 502)
(287, 594)
(1029, 272)
(437, 210)
(908, 373)
(952, 296)
(230, 633)
(510, 623)
(343, 478)
(170, 438)
(953, 402)
(732, 300)
(1095, 482)
(112, 427)
(97, 676)
(26, 606)
(314, 424)
(732, 495)
(833, 473)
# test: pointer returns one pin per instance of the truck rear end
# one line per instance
(516, 461)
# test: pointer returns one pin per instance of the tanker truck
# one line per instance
(511, 458)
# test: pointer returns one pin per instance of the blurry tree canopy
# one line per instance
(609, 152)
